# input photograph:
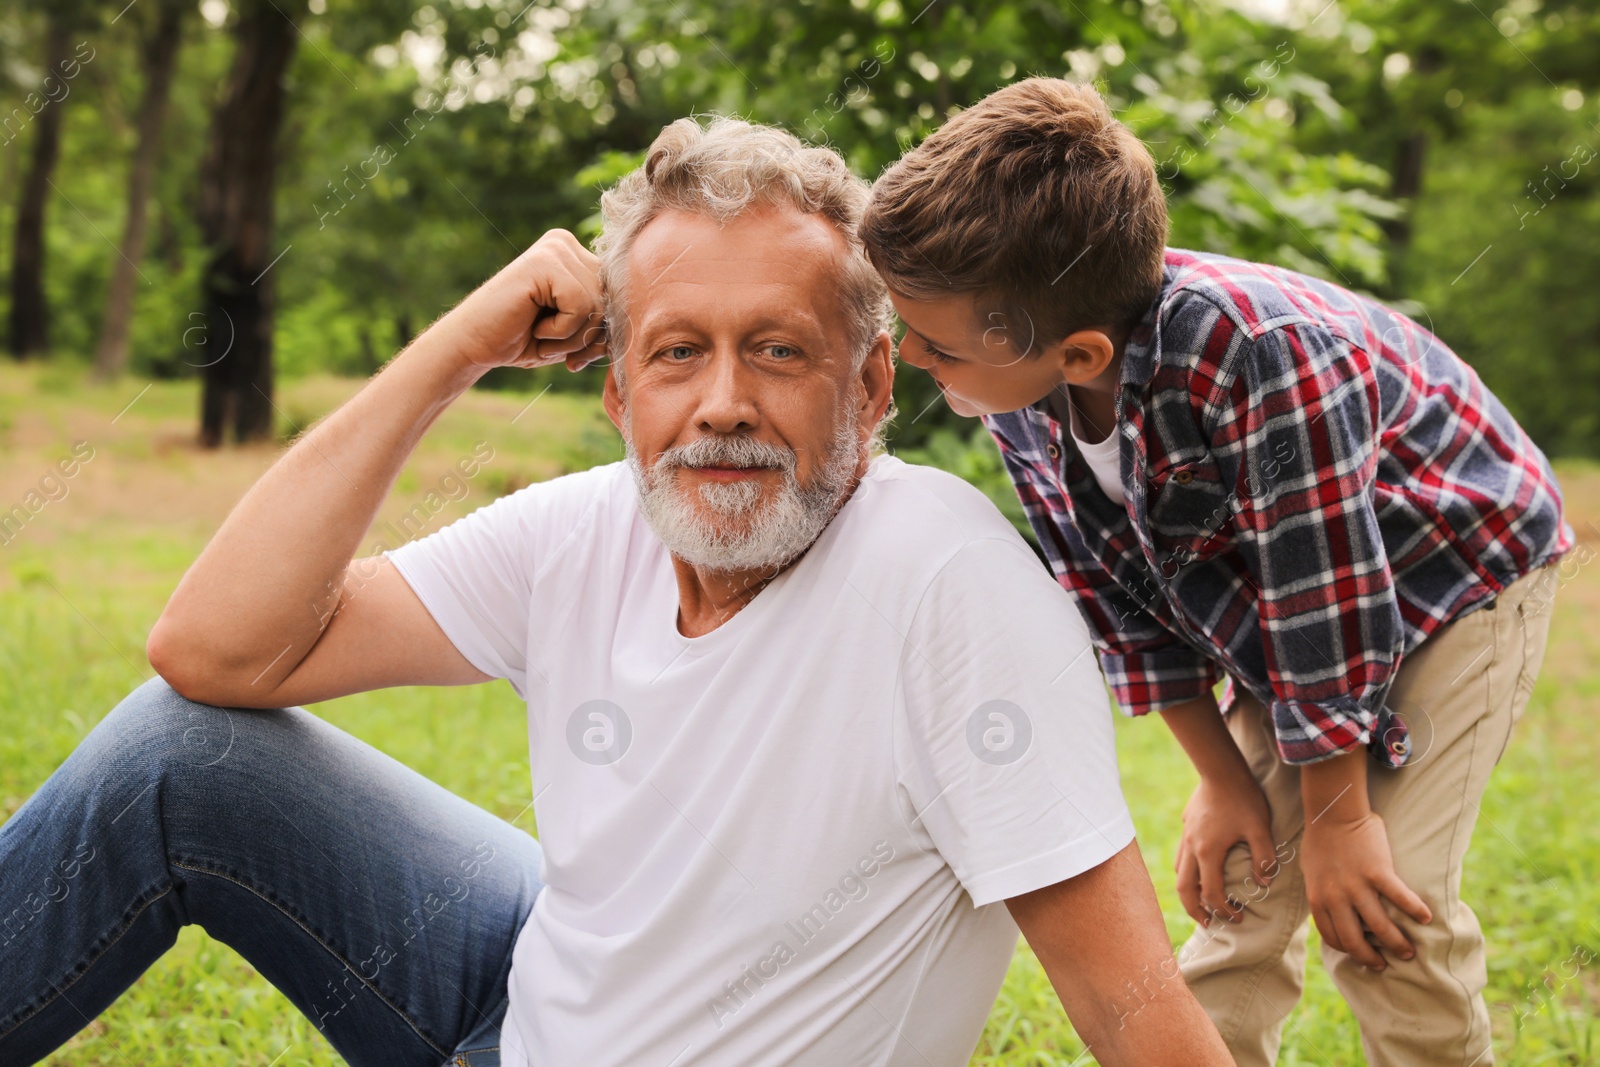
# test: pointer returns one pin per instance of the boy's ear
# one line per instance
(1084, 355)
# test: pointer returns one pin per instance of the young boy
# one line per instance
(1241, 470)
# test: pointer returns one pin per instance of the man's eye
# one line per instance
(782, 351)
(680, 352)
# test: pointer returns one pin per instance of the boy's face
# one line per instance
(983, 368)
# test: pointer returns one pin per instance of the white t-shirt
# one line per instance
(787, 840)
(1104, 458)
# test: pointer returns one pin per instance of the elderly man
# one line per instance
(799, 778)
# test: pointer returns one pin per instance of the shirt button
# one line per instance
(1183, 477)
(1052, 451)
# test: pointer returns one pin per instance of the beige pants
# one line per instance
(1459, 693)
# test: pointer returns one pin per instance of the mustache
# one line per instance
(727, 450)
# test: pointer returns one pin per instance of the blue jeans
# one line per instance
(384, 906)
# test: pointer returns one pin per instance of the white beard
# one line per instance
(729, 528)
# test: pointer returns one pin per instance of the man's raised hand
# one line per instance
(543, 307)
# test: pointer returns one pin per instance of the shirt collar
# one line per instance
(1142, 352)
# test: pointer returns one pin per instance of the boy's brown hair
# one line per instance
(1037, 200)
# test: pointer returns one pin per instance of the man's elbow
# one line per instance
(180, 664)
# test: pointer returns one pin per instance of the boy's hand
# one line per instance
(1349, 873)
(1223, 812)
(543, 307)
(1227, 807)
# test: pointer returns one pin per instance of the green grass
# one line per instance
(85, 579)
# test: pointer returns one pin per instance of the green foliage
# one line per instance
(1224, 146)
(428, 144)
(602, 173)
(1512, 211)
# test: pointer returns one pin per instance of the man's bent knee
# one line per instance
(155, 725)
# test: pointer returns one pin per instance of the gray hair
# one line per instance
(720, 171)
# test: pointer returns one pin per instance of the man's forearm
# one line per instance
(1101, 939)
(256, 600)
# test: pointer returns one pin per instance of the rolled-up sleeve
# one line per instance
(1157, 678)
(1301, 430)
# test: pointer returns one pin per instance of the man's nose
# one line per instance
(727, 401)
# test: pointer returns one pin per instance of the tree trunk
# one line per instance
(160, 59)
(236, 218)
(30, 317)
(1404, 187)
(168, 248)
(1406, 182)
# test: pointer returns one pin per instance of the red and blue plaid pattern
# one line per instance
(1313, 484)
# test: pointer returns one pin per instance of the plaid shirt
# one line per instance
(1313, 484)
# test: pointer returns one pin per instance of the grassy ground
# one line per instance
(84, 579)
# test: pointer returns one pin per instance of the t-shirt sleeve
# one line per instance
(1006, 752)
(478, 576)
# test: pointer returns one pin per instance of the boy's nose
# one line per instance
(908, 353)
